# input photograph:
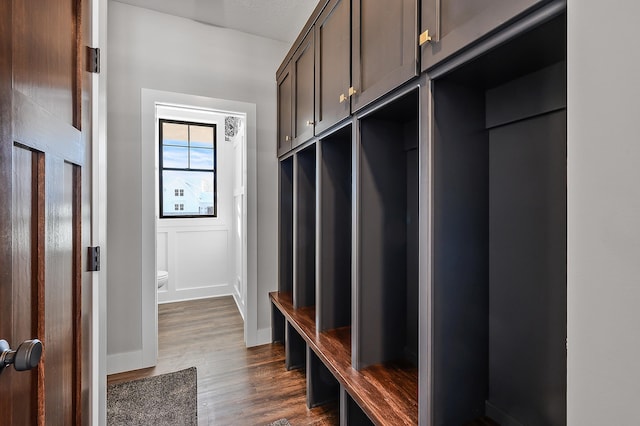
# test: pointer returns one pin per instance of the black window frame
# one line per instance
(161, 167)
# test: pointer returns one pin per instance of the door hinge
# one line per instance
(93, 59)
(93, 258)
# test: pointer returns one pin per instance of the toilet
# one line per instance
(163, 278)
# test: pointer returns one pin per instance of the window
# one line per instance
(187, 169)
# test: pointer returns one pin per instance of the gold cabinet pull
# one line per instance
(342, 97)
(352, 91)
(309, 123)
(425, 37)
(287, 138)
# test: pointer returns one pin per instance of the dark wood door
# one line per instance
(455, 24)
(285, 102)
(384, 47)
(303, 91)
(333, 64)
(44, 125)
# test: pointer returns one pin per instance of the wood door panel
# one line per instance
(43, 154)
(44, 61)
(60, 292)
(26, 291)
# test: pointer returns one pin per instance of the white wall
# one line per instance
(603, 213)
(156, 51)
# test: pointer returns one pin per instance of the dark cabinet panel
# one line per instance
(384, 48)
(455, 24)
(303, 90)
(333, 60)
(284, 111)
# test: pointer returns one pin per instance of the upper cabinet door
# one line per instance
(285, 100)
(303, 88)
(333, 64)
(455, 24)
(384, 47)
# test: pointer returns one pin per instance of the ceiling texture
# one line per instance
(276, 19)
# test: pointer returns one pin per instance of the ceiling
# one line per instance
(276, 19)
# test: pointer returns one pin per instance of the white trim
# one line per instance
(205, 292)
(98, 386)
(122, 361)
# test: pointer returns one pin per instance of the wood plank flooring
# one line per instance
(236, 385)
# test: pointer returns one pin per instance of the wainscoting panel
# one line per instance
(198, 263)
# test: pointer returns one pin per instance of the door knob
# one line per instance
(26, 357)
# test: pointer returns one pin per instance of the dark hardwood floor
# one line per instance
(236, 385)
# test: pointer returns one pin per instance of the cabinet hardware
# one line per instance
(425, 37)
(287, 138)
(342, 98)
(352, 91)
(309, 123)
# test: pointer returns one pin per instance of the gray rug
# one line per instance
(281, 422)
(168, 399)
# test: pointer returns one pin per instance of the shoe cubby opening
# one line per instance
(322, 386)
(295, 349)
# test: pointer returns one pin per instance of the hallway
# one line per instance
(236, 385)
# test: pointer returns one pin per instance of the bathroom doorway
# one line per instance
(203, 234)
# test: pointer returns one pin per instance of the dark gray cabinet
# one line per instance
(303, 91)
(285, 100)
(455, 24)
(333, 60)
(384, 47)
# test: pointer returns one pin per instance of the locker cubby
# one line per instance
(304, 284)
(285, 242)
(386, 326)
(333, 305)
(499, 235)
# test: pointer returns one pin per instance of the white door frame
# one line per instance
(150, 98)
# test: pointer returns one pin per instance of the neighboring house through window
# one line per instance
(187, 169)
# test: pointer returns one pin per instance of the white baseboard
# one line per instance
(263, 336)
(182, 295)
(126, 361)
